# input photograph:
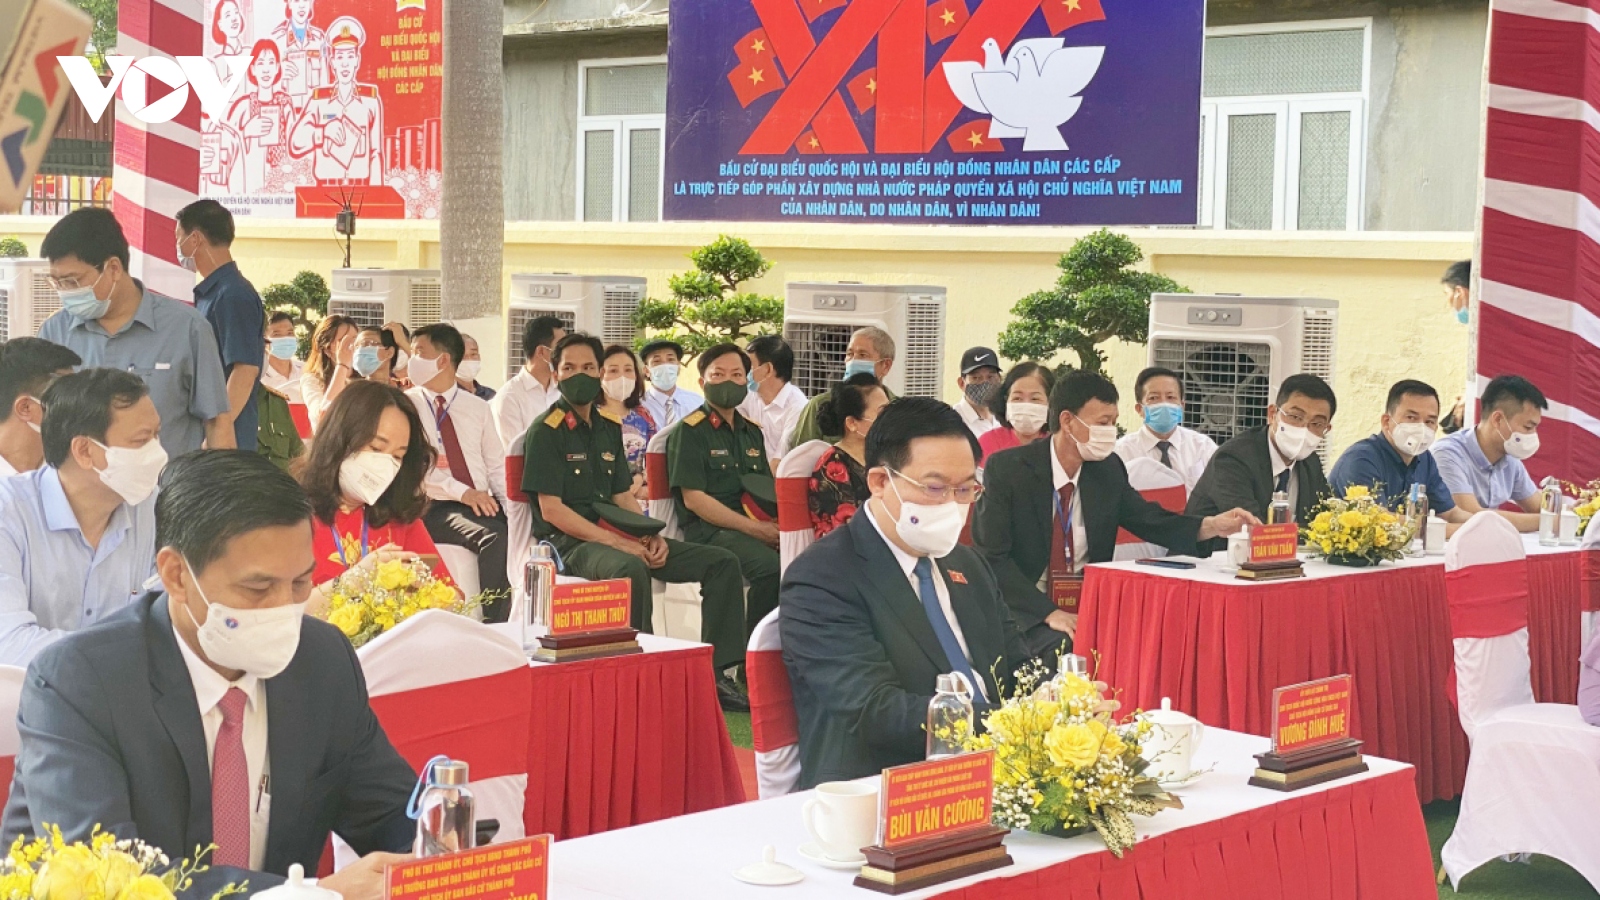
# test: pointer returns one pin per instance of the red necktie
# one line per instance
(230, 786)
(452, 446)
(1063, 557)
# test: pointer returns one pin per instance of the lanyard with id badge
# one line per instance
(1065, 582)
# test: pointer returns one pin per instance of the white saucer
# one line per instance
(813, 853)
(1183, 782)
(769, 872)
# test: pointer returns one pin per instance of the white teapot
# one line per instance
(299, 887)
(1170, 745)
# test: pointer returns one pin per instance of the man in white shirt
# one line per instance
(27, 367)
(773, 403)
(1158, 399)
(980, 378)
(468, 481)
(282, 368)
(663, 399)
(532, 390)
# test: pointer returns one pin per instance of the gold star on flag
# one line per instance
(872, 85)
(1072, 5)
(758, 46)
(975, 139)
(948, 17)
(814, 143)
(755, 76)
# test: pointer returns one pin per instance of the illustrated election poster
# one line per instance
(1021, 112)
(340, 101)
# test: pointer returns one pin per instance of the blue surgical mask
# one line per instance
(82, 302)
(860, 367)
(284, 347)
(1163, 418)
(664, 376)
(366, 361)
(1461, 315)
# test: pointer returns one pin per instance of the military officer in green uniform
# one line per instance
(577, 481)
(717, 467)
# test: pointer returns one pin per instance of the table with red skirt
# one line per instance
(1219, 646)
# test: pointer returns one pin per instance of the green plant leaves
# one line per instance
(707, 308)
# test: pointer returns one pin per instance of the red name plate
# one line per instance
(590, 606)
(1311, 714)
(511, 871)
(935, 799)
(1273, 543)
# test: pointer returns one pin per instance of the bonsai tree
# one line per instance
(315, 289)
(12, 248)
(707, 308)
(1098, 297)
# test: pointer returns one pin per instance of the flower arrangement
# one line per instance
(104, 868)
(367, 602)
(1358, 530)
(1588, 496)
(1064, 764)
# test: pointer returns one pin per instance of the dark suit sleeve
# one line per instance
(1228, 483)
(372, 812)
(992, 534)
(1313, 488)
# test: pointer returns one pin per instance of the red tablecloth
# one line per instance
(1365, 840)
(1219, 650)
(626, 740)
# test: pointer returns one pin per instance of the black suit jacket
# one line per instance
(1240, 475)
(863, 658)
(111, 736)
(1016, 514)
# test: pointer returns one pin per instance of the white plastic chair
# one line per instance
(774, 727)
(662, 506)
(11, 678)
(463, 566)
(519, 522)
(1160, 485)
(676, 607)
(1589, 547)
(794, 521)
(1533, 780)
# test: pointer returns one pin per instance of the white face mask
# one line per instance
(421, 371)
(1295, 442)
(259, 642)
(366, 475)
(1413, 438)
(933, 530)
(133, 471)
(664, 376)
(469, 369)
(618, 389)
(1027, 418)
(1520, 445)
(1102, 441)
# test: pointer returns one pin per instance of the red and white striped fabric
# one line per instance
(157, 167)
(10, 741)
(1160, 485)
(1538, 271)
(774, 727)
(655, 475)
(1486, 584)
(794, 513)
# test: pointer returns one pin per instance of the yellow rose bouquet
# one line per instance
(1064, 765)
(1357, 530)
(1588, 497)
(365, 603)
(103, 868)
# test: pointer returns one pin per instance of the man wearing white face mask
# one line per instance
(666, 402)
(532, 390)
(250, 717)
(1052, 507)
(1397, 457)
(471, 365)
(77, 536)
(1483, 466)
(876, 610)
(27, 367)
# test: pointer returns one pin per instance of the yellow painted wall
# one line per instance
(1393, 320)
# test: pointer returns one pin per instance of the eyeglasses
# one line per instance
(1318, 427)
(938, 493)
(72, 282)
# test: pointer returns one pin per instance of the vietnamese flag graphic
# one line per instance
(808, 143)
(864, 90)
(1063, 14)
(815, 8)
(973, 137)
(755, 78)
(754, 46)
(946, 18)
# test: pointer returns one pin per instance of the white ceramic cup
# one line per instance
(1239, 548)
(842, 817)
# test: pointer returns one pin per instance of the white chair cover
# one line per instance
(1146, 474)
(11, 678)
(662, 506)
(772, 717)
(1588, 544)
(1492, 673)
(463, 566)
(519, 525)
(795, 537)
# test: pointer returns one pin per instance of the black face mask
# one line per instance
(727, 394)
(580, 388)
(979, 393)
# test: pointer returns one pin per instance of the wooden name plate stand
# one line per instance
(1272, 553)
(588, 620)
(935, 825)
(1304, 768)
(589, 645)
(917, 866)
(1311, 740)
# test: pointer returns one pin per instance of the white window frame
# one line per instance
(621, 128)
(1214, 113)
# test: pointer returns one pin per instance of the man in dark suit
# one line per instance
(1254, 464)
(1053, 506)
(214, 711)
(873, 613)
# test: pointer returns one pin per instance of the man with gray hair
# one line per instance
(871, 352)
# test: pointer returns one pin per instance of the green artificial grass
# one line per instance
(739, 729)
(1542, 879)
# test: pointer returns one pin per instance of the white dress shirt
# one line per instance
(481, 448)
(208, 690)
(1190, 451)
(288, 385)
(6, 469)
(908, 563)
(777, 419)
(979, 425)
(519, 403)
(668, 408)
(1278, 465)
(1080, 534)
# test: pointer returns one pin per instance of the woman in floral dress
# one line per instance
(838, 484)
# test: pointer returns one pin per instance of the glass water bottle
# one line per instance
(446, 821)
(949, 719)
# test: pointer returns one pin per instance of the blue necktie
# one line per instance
(1283, 480)
(941, 625)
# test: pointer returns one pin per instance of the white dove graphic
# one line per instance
(1031, 92)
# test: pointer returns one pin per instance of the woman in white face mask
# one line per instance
(364, 478)
(1022, 406)
(838, 484)
(622, 401)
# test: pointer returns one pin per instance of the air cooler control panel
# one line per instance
(1216, 315)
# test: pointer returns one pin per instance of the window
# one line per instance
(1282, 121)
(621, 115)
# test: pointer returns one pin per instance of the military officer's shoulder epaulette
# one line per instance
(610, 416)
(366, 90)
(694, 418)
(556, 417)
(322, 93)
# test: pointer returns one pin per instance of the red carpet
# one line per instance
(747, 770)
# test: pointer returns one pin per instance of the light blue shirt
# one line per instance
(51, 580)
(683, 402)
(169, 345)
(1467, 471)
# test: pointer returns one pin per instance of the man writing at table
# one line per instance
(212, 710)
(1051, 507)
(1280, 458)
(1483, 466)
(874, 612)
(1397, 457)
